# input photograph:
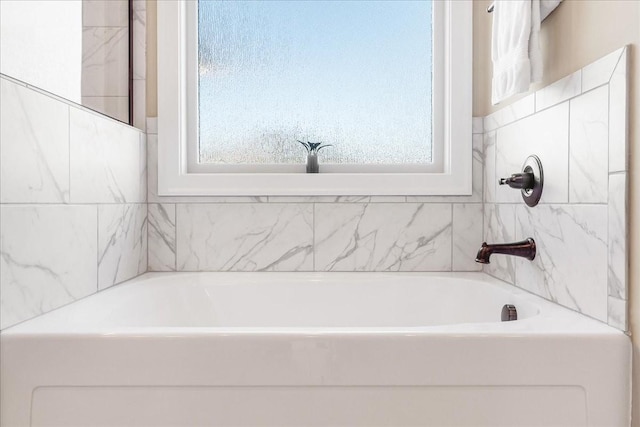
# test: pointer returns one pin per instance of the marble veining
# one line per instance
(571, 262)
(490, 177)
(108, 161)
(139, 42)
(47, 258)
(617, 313)
(588, 152)
(34, 146)
(499, 227)
(122, 243)
(244, 237)
(162, 237)
(618, 124)
(467, 236)
(383, 237)
(617, 236)
(105, 66)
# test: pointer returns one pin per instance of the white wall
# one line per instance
(41, 44)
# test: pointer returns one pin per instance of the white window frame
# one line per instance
(176, 88)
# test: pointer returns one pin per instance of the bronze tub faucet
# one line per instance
(525, 249)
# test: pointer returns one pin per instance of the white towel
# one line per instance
(517, 61)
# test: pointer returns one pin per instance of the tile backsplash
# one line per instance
(577, 126)
(73, 212)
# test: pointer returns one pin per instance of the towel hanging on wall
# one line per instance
(517, 61)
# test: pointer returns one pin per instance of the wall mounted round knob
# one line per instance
(533, 166)
(529, 181)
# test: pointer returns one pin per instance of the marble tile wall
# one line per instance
(73, 212)
(105, 57)
(364, 233)
(578, 127)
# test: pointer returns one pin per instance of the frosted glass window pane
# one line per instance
(355, 74)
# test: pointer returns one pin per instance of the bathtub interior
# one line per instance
(293, 300)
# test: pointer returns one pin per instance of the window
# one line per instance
(354, 74)
(241, 82)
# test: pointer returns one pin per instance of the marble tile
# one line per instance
(599, 72)
(617, 236)
(383, 237)
(477, 125)
(467, 236)
(122, 243)
(152, 178)
(570, 267)
(105, 61)
(618, 113)
(476, 185)
(116, 107)
(162, 237)
(105, 13)
(34, 146)
(559, 91)
(500, 227)
(139, 44)
(522, 108)
(617, 313)
(108, 160)
(545, 134)
(244, 237)
(139, 104)
(47, 258)
(490, 178)
(588, 147)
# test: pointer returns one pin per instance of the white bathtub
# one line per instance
(298, 349)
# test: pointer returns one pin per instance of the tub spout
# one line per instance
(525, 249)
